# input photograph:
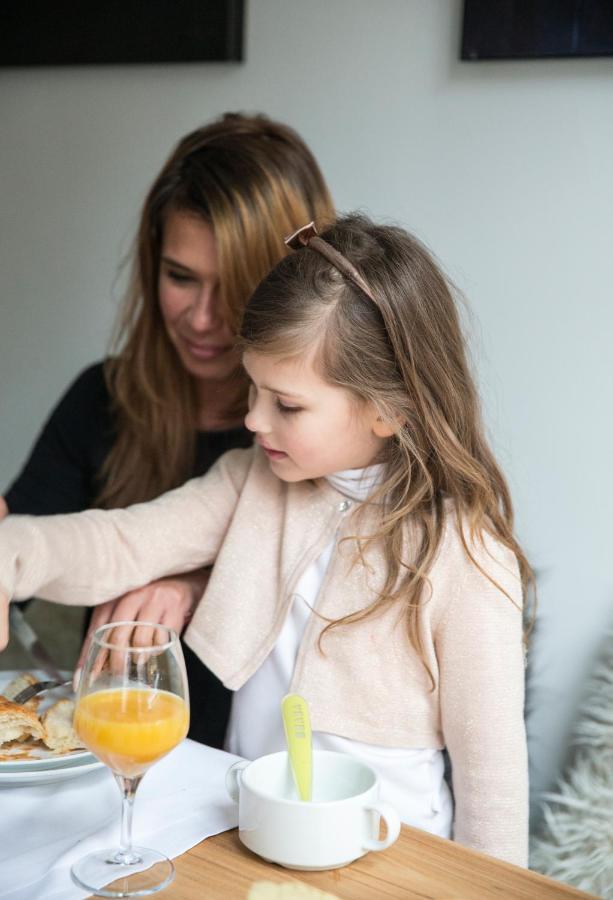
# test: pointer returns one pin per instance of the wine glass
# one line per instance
(132, 708)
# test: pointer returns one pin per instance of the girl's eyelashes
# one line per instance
(286, 410)
(281, 407)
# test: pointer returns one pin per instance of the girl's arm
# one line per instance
(4, 620)
(480, 652)
(4, 603)
(87, 558)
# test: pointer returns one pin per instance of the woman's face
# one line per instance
(190, 302)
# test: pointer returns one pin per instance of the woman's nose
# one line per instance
(203, 312)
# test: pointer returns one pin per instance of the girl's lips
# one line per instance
(272, 454)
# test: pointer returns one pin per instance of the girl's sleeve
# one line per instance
(89, 557)
(481, 664)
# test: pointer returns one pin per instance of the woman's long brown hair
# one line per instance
(404, 353)
(254, 180)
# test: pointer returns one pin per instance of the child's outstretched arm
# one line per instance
(480, 652)
(87, 558)
(4, 621)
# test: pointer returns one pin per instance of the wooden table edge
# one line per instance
(419, 865)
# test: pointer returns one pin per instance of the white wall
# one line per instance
(503, 168)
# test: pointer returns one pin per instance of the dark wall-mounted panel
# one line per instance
(536, 29)
(98, 32)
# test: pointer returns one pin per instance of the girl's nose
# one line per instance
(255, 419)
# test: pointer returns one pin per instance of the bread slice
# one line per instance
(58, 733)
(19, 682)
(18, 723)
(14, 687)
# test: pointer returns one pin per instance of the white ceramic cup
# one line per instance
(339, 825)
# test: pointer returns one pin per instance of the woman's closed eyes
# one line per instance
(179, 277)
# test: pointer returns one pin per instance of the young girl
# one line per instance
(363, 549)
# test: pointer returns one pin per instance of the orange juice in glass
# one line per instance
(129, 729)
(132, 709)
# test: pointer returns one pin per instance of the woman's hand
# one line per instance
(168, 602)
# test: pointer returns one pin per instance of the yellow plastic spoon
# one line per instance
(297, 724)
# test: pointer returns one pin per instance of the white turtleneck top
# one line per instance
(411, 780)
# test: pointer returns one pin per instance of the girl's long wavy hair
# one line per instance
(253, 180)
(406, 355)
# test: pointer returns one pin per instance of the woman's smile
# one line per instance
(205, 350)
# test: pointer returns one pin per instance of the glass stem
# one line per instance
(125, 855)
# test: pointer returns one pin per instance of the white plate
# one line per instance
(43, 776)
(41, 761)
(44, 760)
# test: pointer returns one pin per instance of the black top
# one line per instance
(61, 475)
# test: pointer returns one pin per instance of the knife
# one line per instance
(28, 639)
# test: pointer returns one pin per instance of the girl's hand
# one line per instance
(4, 603)
(4, 621)
(168, 602)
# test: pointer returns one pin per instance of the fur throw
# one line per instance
(575, 844)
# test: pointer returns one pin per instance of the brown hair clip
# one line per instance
(307, 236)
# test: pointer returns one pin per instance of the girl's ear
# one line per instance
(384, 428)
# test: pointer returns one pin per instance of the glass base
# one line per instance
(106, 874)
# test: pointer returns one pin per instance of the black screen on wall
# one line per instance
(94, 32)
(532, 29)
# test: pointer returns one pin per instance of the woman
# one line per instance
(172, 397)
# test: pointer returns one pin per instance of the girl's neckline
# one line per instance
(356, 484)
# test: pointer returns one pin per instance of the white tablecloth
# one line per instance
(45, 828)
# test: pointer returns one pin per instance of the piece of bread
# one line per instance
(18, 723)
(287, 890)
(19, 682)
(58, 732)
(14, 687)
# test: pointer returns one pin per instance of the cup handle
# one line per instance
(233, 778)
(392, 823)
